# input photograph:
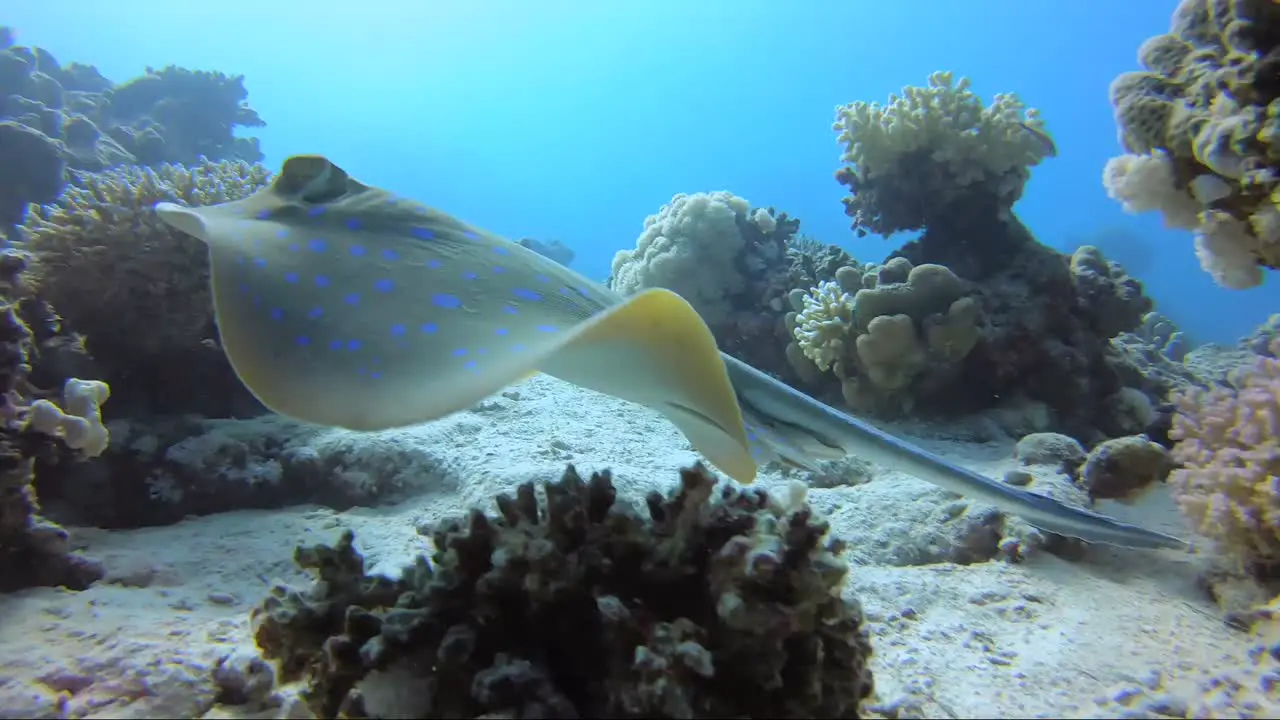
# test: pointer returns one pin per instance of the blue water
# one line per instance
(576, 120)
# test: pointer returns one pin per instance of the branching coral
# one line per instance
(1229, 447)
(1201, 124)
(912, 159)
(137, 288)
(720, 603)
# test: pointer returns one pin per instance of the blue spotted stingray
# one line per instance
(342, 304)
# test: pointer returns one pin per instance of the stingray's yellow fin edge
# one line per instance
(682, 353)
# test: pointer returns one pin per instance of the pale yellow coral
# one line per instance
(950, 120)
(1202, 128)
(78, 421)
(822, 326)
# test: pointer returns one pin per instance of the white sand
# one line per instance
(1117, 633)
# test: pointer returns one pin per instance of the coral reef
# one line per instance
(33, 550)
(890, 334)
(1228, 445)
(924, 155)
(936, 159)
(721, 603)
(137, 289)
(161, 470)
(55, 116)
(758, 259)
(1201, 128)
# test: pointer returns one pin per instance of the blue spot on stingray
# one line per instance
(543, 279)
(317, 245)
(282, 233)
(242, 289)
(263, 214)
(277, 314)
(501, 250)
(357, 251)
(375, 374)
(517, 347)
(525, 294)
(294, 247)
(547, 328)
(322, 281)
(470, 235)
(353, 344)
(445, 300)
(315, 313)
(502, 331)
(566, 291)
(259, 262)
(257, 300)
(351, 298)
(302, 340)
(390, 255)
(352, 224)
(240, 260)
(429, 328)
(459, 352)
(482, 351)
(422, 233)
(433, 264)
(291, 277)
(471, 364)
(384, 285)
(397, 330)
(498, 269)
(316, 211)
(510, 309)
(335, 344)
(469, 276)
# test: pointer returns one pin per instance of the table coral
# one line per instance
(1229, 448)
(911, 161)
(720, 603)
(1201, 127)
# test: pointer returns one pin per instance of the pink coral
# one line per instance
(1229, 446)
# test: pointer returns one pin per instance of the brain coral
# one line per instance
(910, 160)
(1201, 127)
(689, 247)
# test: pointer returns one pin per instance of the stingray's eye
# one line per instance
(312, 179)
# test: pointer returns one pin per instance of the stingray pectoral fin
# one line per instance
(654, 349)
(184, 219)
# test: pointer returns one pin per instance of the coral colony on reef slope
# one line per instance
(566, 598)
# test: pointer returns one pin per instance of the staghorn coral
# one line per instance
(135, 287)
(886, 333)
(914, 160)
(1201, 127)
(718, 604)
(1228, 442)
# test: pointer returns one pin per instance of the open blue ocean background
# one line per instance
(575, 119)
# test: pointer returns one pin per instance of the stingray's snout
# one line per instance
(181, 218)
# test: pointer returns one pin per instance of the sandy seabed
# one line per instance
(1117, 633)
